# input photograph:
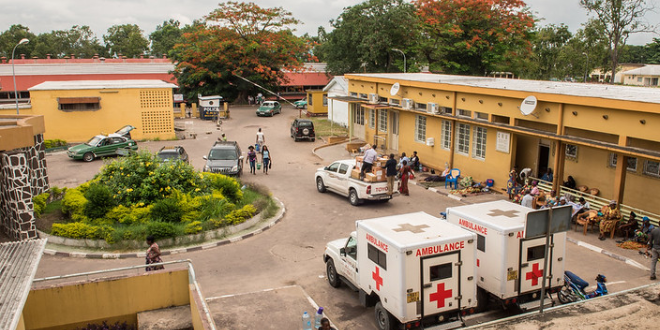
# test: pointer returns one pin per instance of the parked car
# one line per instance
(173, 154)
(225, 157)
(117, 143)
(302, 129)
(269, 108)
(300, 104)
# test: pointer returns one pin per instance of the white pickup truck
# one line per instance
(336, 177)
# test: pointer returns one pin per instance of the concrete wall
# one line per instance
(149, 110)
(119, 299)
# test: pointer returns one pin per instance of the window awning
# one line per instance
(78, 100)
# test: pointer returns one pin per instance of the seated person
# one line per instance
(629, 228)
(642, 234)
(611, 216)
(570, 183)
(440, 177)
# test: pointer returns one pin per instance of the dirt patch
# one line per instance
(45, 221)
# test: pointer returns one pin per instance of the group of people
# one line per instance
(255, 100)
(403, 168)
(262, 148)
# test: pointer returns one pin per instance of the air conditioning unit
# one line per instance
(373, 98)
(407, 104)
(430, 142)
(432, 108)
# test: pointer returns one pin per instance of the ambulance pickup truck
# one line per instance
(336, 177)
(509, 265)
(418, 270)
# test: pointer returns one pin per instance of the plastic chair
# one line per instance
(453, 176)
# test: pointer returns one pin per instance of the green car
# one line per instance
(269, 108)
(118, 143)
(300, 104)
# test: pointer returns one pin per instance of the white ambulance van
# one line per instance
(509, 266)
(418, 270)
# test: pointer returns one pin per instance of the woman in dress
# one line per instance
(153, 255)
(405, 175)
(265, 157)
(511, 184)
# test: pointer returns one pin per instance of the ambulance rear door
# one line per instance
(532, 253)
(441, 276)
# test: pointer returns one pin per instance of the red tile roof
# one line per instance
(306, 79)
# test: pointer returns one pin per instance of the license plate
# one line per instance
(381, 189)
(413, 296)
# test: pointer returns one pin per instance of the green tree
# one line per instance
(240, 39)
(652, 52)
(548, 46)
(364, 35)
(126, 39)
(79, 41)
(620, 19)
(165, 37)
(473, 36)
(11, 37)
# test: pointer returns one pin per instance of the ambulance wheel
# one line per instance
(353, 197)
(333, 278)
(319, 185)
(384, 320)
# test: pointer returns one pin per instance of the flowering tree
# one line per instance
(239, 39)
(473, 36)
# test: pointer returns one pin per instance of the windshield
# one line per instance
(223, 154)
(268, 105)
(305, 124)
(168, 155)
(95, 141)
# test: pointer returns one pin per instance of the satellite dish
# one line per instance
(395, 89)
(528, 105)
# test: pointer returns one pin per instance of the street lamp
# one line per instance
(586, 70)
(13, 72)
(404, 58)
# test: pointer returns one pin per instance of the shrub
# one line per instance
(99, 201)
(40, 203)
(57, 192)
(79, 230)
(167, 210)
(54, 143)
(238, 216)
(73, 202)
(161, 230)
(229, 187)
(193, 227)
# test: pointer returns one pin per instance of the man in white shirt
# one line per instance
(368, 160)
(261, 138)
(527, 200)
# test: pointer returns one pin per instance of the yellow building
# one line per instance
(605, 136)
(78, 110)
(317, 102)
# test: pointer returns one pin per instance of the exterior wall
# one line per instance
(71, 306)
(317, 105)
(149, 110)
(23, 175)
(338, 112)
(641, 80)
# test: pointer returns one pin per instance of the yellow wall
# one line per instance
(19, 131)
(317, 106)
(119, 107)
(118, 299)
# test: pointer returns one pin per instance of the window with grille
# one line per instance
(652, 168)
(157, 121)
(464, 113)
(632, 162)
(359, 116)
(479, 143)
(463, 138)
(372, 118)
(78, 103)
(395, 101)
(420, 129)
(325, 100)
(150, 99)
(382, 120)
(446, 135)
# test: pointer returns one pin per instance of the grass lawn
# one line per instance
(323, 128)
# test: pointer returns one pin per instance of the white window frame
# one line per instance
(420, 128)
(372, 118)
(420, 106)
(359, 116)
(481, 116)
(479, 139)
(463, 140)
(651, 172)
(446, 135)
(464, 113)
(382, 120)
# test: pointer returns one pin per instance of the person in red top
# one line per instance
(405, 175)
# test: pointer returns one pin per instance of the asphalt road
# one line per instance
(289, 254)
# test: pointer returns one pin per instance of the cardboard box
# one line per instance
(370, 177)
(378, 171)
(355, 174)
(359, 159)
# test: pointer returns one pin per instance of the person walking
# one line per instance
(654, 246)
(405, 175)
(261, 139)
(266, 158)
(368, 160)
(153, 255)
(252, 158)
(390, 172)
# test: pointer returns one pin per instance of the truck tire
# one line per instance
(319, 185)
(384, 320)
(331, 273)
(353, 197)
(88, 157)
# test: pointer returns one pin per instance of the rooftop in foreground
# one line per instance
(102, 84)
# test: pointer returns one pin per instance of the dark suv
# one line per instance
(225, 158)
(302, 129)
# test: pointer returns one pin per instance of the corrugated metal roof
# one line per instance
(102, 84)
(613, 92)
(647, 70)
(85, 68)
(18, 264)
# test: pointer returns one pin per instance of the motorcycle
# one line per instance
(573, 289)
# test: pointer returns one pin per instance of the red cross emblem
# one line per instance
(535, 274)
(441, 295)
(376, 276)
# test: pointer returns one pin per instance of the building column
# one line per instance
(620, 172)
(17, 207)
(560, 159)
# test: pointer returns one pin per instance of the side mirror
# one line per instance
(204, 157)
(342, 251)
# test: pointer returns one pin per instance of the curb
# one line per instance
(607, 253)
(277, 218)
(325, 146)
(452, 196)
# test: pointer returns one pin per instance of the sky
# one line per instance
(48, 15)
